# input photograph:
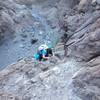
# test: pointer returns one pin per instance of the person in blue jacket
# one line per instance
(43, 53)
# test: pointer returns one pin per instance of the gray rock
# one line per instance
(23, 39)
(24, 35)
(98, 1)
(53, 79)
(86, 83)
(87, 46)
(84, 5)
(15, 40)
(44, 67)
(40, 33)
(21, 46)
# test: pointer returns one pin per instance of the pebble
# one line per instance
(21, 46)
(22, 39)
(40, 33)
(33, 80)
(15, 40)
(44, 75)
(34, 95)
(56, 70)
(24, 35)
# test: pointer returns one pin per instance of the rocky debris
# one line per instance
(32, 80)
(5, 96)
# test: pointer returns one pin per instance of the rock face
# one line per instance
(87, 44)
(6, 22)
(15, 12)
(47, 2)
(25, 24)
(84, 44)
(76, 77)
(11, 15)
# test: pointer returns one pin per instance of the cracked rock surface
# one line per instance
(73, 73)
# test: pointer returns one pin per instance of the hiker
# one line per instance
(43, 53)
